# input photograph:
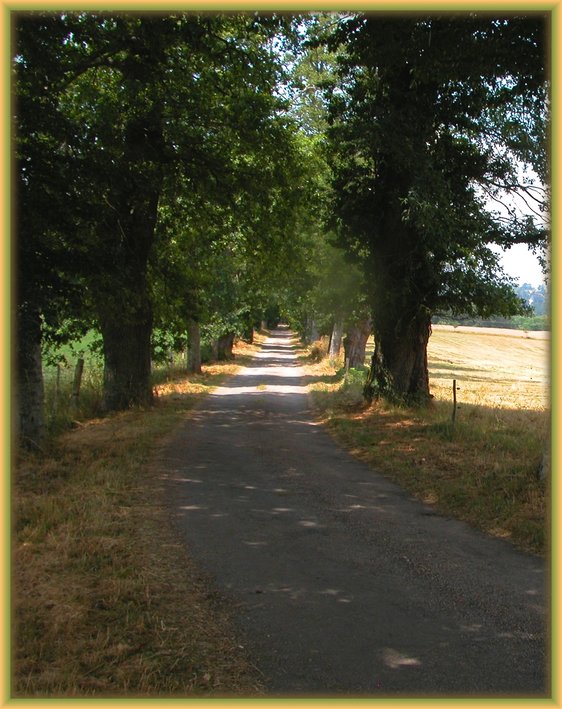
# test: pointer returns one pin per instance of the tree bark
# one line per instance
(355, 343)
(124, 303)
(225, 343)
(127, 350)
(311, 333)
(336, 339)
(194, 347)
(126, 234)
(30, 394)
(399, 368)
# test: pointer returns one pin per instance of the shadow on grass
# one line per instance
(484, 468)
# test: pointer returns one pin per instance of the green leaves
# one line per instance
(429, 109)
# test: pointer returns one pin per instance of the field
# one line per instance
(495, 368)
(483, 467)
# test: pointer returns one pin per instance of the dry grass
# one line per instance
(484, 469)
(106, 600)
(506, 369)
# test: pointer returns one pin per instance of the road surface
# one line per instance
(341, 583)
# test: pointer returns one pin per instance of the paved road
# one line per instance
(342, 583)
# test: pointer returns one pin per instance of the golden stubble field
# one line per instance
(507, 369)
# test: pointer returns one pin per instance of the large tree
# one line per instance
(430, 118)
(111, 110)
(47, 283)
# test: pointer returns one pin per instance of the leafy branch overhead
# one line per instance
(431, 117)
(202, 169)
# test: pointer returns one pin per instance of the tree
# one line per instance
(427, 112)
(217, 259)
(126, 105)
(48, 288)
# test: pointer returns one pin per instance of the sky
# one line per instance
(518, 261)
(522, 264)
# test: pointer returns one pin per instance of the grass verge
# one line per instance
(106, 602)
(483, 469)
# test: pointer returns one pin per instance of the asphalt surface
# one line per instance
(341, 583)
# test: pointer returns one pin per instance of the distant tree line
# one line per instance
(537, 317)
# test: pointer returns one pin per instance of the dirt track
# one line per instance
(340, 583)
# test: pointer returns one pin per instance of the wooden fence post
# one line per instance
(57, 391)
(77, 381)
(454, 402)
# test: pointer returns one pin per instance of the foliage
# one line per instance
(419, 126)
(135, 123)
(537, 298)
(184, 166)
(535, 319)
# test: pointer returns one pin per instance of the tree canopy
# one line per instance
(428, 116)
(189, 168)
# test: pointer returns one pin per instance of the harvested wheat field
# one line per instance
(493, 367)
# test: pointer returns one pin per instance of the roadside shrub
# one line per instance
(351, 390)
(318, 350)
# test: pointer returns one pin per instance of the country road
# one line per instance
(340, 582)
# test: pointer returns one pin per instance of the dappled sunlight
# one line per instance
(279, 354)
(284, 371)
(260, 389)
(181, 480)
(290, 531)
(279, 364)
(302, 593)
(482, 468)
(398, 660)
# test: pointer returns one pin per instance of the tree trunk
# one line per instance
(355, 343)
(127, 349)
(311, 333)
(248, 334)
(30, 394)
(126, 232)
(225, 343)
(194, 347)
(336, 339)
(399, 366)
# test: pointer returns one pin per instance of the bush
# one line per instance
(351, 390)
(318, 350)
